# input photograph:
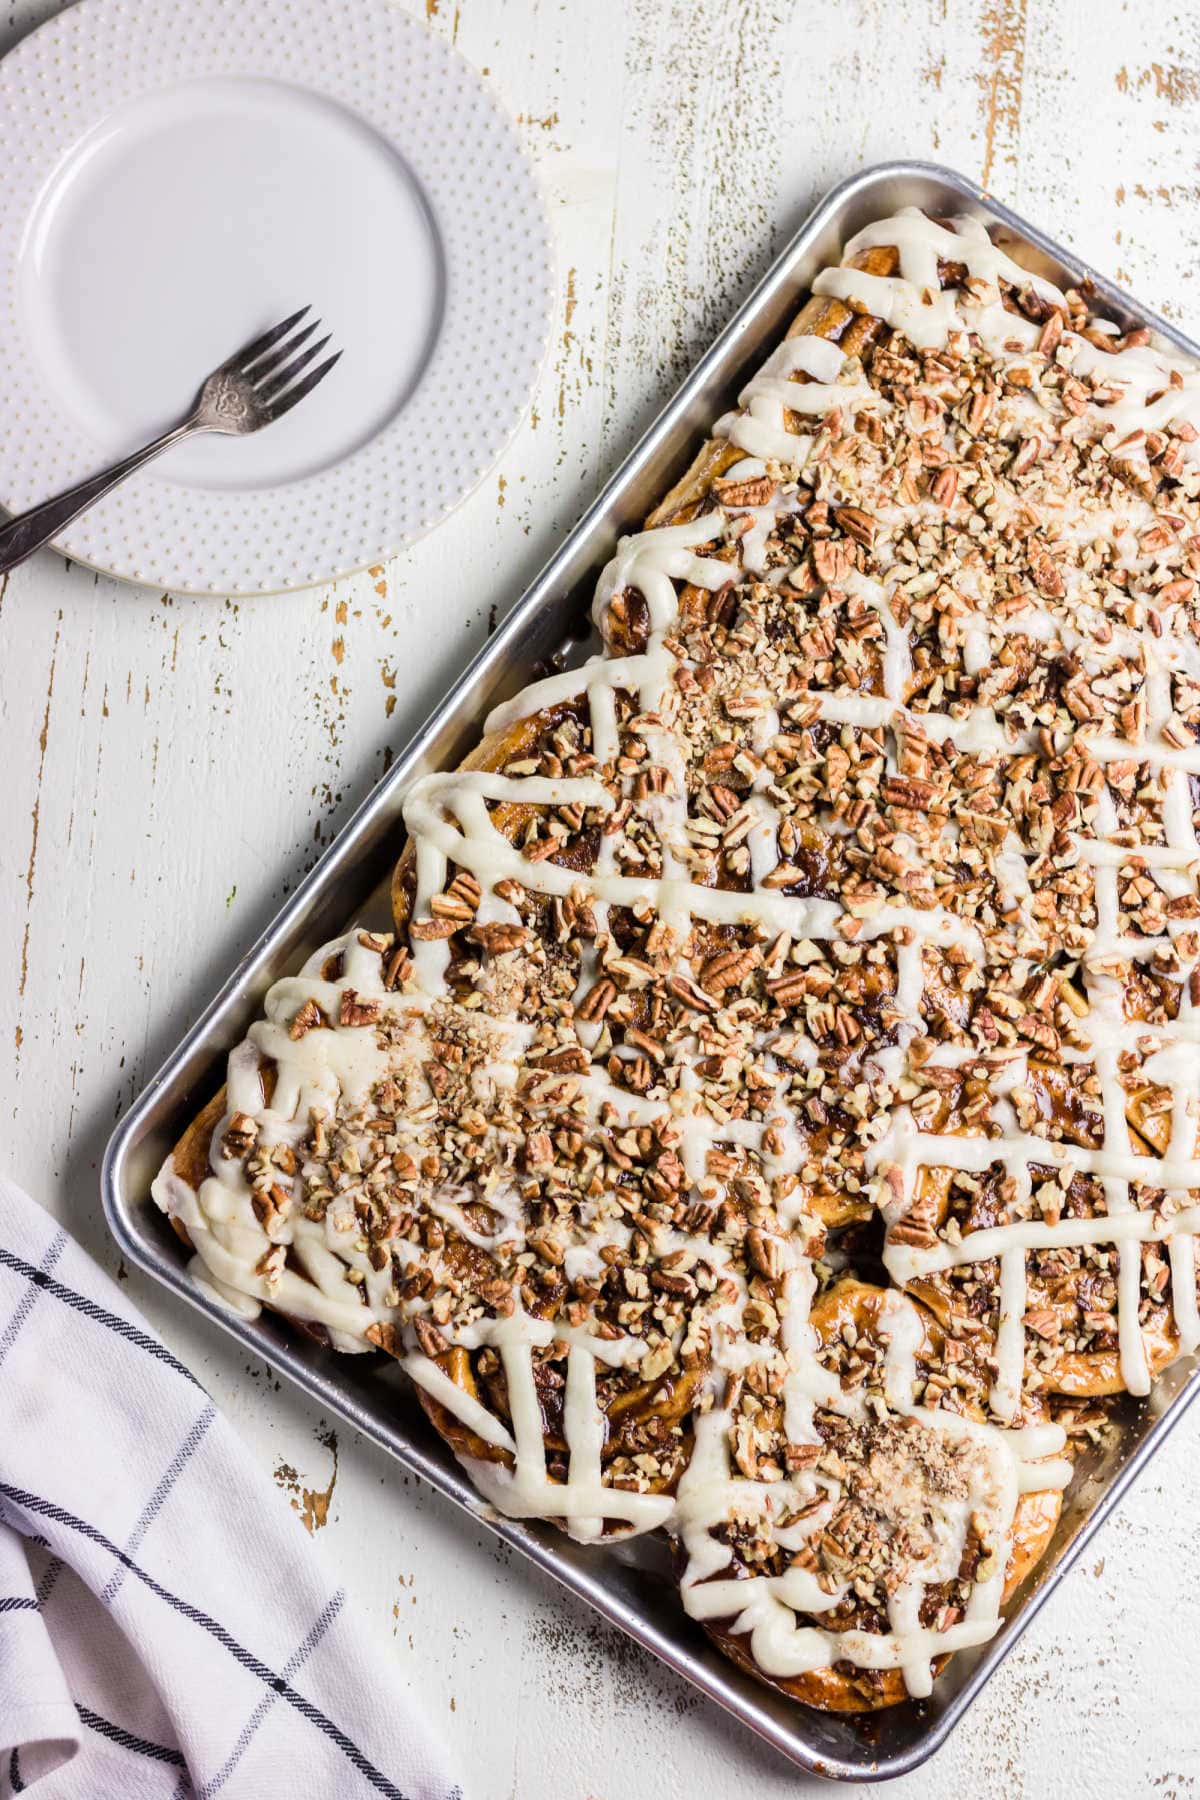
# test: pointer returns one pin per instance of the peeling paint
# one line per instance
(1004, 27)
(1173, 82)
(312, 1504)
(36, 815)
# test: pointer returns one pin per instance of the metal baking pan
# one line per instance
(628, 1583)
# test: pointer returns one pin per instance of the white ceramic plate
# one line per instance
(180, 174)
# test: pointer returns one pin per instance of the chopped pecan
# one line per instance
(428, 1336)
(539, 1150)
(832, 560)
(353, 1011)
(681, 1285)
(945, 486)
(728, 968)
(423, 931)
(239, 1135)
(858, 524)
(914, 1232)
(756, 491)
(270, 1204)
(497, 939)
(767, 1252)
(307, 1018)
(547, 1246)
(596, 1002)
(689, 994)
(1051, 334)
(385, 1336)
(397, 967)
(451, 906)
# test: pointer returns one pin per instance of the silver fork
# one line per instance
(254, 388)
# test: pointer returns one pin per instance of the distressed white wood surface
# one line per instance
(171, 766)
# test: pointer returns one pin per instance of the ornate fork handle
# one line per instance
(29, 531)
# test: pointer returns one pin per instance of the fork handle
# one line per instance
(30, 530)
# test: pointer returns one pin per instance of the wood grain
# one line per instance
(172, 766)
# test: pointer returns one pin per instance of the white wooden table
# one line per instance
(171, 767)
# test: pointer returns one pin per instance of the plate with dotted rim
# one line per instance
(177, 178)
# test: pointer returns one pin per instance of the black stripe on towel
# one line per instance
(100, 1314)
(127, 1740)
(314, 1715)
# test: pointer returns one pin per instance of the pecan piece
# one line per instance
(1047, 575)
(498, 938)
(428, 1336)
(397, 967)
(547, 1246)
(596, 1002)
(788, 989)
(682, 1285)
(728, 968)
(240, 1134)
(353, 1011)
(832, 560)
(913, 1232)
(783, 875)
(539, 1150)
(426, 930)
(449, 906)
(1051, 334)
(385, 1337)
(270, 1205)
(307, 1018)
(857, 524)
(945, 486)
(690, 995)
(766, 1252)
(755, 492)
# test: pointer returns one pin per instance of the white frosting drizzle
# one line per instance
(761, 426)
(449, 820)
(765, 1606)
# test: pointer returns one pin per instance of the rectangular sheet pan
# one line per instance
(627, 1584)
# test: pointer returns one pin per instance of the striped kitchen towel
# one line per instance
(166, 1627)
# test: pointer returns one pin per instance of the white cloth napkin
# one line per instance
(166, 1627)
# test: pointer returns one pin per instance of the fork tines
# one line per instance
(273, 362)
